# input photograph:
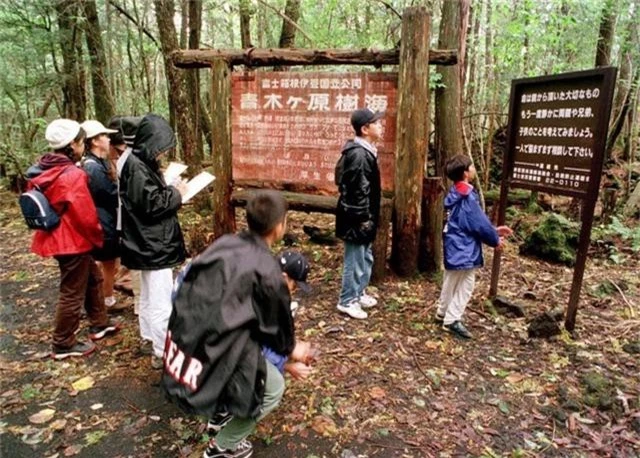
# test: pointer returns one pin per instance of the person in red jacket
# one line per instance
(71, 242)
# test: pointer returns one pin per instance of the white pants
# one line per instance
(155, 306)
(457, 288)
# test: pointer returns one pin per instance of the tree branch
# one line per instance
(126, 14)
(389, 6)
(286, 18)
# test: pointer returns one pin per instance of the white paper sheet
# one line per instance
(197, 184)
(173, 172)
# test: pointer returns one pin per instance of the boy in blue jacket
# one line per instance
(466, 229)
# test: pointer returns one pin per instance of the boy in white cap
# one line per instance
(72, 241)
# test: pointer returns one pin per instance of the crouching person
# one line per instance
(230, 303)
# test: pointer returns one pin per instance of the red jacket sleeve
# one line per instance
(81, 210)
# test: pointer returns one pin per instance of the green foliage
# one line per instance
(555, 239)
(618, 230)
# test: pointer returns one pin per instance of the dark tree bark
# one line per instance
(288, 33)
(193, 77)
(448, 121)
(178, 102)
(245, 24)
(412, 127)
(73, 94)
(605, 36)
(102, 98)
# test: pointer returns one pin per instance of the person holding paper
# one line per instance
(152, 240)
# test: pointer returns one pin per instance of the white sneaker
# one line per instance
(294, 308)
(367, 301)
(110, 301)
(354, 310)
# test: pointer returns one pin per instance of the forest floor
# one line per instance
(394, 385)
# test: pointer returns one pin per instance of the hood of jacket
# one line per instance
(47, 169)
(460, 190)
(154, 136)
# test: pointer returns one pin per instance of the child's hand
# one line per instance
(298, 370)
(301, 352)
(500, 245)
(504, 231)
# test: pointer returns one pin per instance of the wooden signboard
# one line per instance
(555, 143)
(289, 127)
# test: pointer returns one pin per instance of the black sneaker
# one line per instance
(458, 329)
(79, 349)
(218, 421)
(439, 319)
(243, 450)
(98, 332)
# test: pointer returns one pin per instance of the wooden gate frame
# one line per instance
(412, 138)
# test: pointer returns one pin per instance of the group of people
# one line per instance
(106, 186)
(223, 332)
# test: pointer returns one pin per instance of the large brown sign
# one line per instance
(290, 127)
(556, 130)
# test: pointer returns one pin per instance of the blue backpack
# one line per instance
(37, 211)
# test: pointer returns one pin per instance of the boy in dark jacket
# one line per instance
(358, 180)
(232, 302)
(466, 229)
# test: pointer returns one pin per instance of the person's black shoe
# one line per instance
(98, 332)
(217, 422)
(458, 329)
(243, 450)
(439, 319)
(79, 349)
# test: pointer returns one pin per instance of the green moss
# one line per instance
(599, 391)
(555, 240)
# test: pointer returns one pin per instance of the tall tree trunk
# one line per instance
(74, 97)
(245, 24)
(178, 102)
(103, 101)
(288, 32)
(193, 76)
(448, 120)
(605, 36)
(490, 77)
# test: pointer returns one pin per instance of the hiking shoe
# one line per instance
(243, 450)
(367, 301)
(458, 329)
(79, 349)
(294, 308)
(218, 421)
(115, 306)
(354, 310)
(98, 332)
(157, 362)
(439, 319)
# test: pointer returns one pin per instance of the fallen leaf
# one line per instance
(96, 406)
(83, 384)
(504, 407)
(9, 393)
(324, 426)
(377, 393)
(58, 424)
(514, 378)
(72, 450)
(42, 417)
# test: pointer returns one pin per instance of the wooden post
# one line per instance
(412, 138)
(430, 255)
(381, 243)
(223, 214)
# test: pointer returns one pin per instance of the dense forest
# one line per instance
(96, 58)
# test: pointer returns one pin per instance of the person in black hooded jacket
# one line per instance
(358, 179)
(152, 240)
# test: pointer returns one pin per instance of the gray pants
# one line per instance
(239, 428)
(457, 288)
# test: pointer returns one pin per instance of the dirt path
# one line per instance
(393, 386)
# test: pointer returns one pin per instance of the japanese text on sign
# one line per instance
(290, 127)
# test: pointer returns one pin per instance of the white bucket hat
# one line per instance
(61, 132)
(93, 128)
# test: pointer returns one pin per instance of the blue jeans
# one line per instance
(356, 272)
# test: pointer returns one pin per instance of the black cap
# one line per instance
(126, 127)
(296, 266)
(364, 116)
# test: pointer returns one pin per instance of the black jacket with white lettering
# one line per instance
(232, 300)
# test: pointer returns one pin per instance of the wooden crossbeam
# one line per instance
(262, 57)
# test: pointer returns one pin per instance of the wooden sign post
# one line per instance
(556, 138)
